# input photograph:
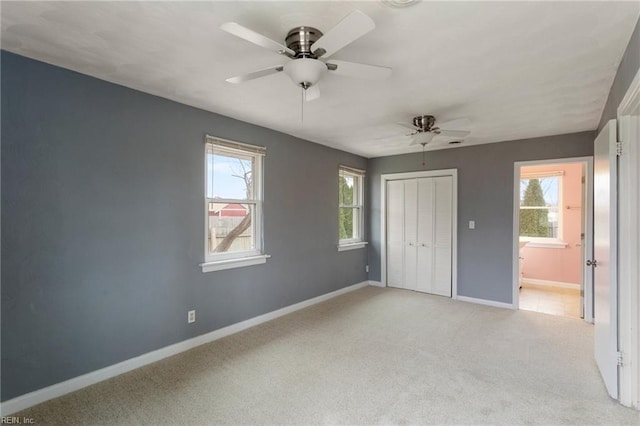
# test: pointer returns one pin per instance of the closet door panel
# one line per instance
(441, 283)
(410, 233)
(424, 278)
(443, 199)
(442, 238)
(410, 210)
(395, 233)
(425, 211)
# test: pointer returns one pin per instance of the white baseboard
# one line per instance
(376, 283)
(41, 395)
(485, 302)
(548, 283)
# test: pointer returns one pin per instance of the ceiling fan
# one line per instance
(307, 53)
(425, 130)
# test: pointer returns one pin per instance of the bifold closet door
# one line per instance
(395, 233)
(424, 230)
(419, 234)
(442, 235)
(410, 234)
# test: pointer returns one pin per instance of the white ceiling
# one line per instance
(517, 70)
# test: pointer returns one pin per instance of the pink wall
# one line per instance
(559, 264)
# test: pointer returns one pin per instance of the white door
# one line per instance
(425, 234)
(443, 226)
(410, 234)
(419, 234)
(605, 257)
(395, 233)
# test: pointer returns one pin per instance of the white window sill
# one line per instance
(547, 244)
(352, 246)
(219, 265)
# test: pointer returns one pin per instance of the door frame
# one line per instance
(454, 220)
(628, 247)
(587, 253)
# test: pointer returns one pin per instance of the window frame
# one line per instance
(546, 242)
(227, 260)
(359, 179)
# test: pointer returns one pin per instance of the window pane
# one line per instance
(347, 190)
(231, 227)
(541, 223)
(229, 177)
(349, 223)
(544, 193)
(539, 192)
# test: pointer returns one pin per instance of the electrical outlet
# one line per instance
(366, 268)
(191, 317)
(472, 224)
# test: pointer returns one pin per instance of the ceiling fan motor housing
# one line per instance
(300, 40)
(425, 123)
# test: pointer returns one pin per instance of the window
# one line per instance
(350, 196)
(540, 213)
(233, 204)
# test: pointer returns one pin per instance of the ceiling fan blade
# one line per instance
(312, 93)
(256, 74)
(408, 126)
(455, 124)
(454, 133)
(255, 38)
(351, 28)
(352, 69)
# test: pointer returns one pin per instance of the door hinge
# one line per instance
(620, 359)
(618, 149)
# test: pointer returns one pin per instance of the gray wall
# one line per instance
(102, 225)
(485, 194)
(624, 76)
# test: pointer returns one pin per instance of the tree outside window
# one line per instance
(539, 207)
(233, 200)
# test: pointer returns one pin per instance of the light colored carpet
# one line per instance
(371, 356)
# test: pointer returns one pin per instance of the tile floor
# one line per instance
(564, 302)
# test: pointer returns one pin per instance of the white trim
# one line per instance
(258, 204)
(220, 265)
(631, 99)
(376, 283)
(486, 302)
(352, 246)
(588, 228)
(454, 220)
(36, 397)
(629, 248)
(359, 176)
(536, 175)
(548, 283)
(559, 207)
(546, 244)
(234, 146)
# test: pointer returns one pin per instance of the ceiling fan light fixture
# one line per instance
(399, 3)
(305, 72)
(423, 138)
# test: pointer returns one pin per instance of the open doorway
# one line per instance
(552, 231)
